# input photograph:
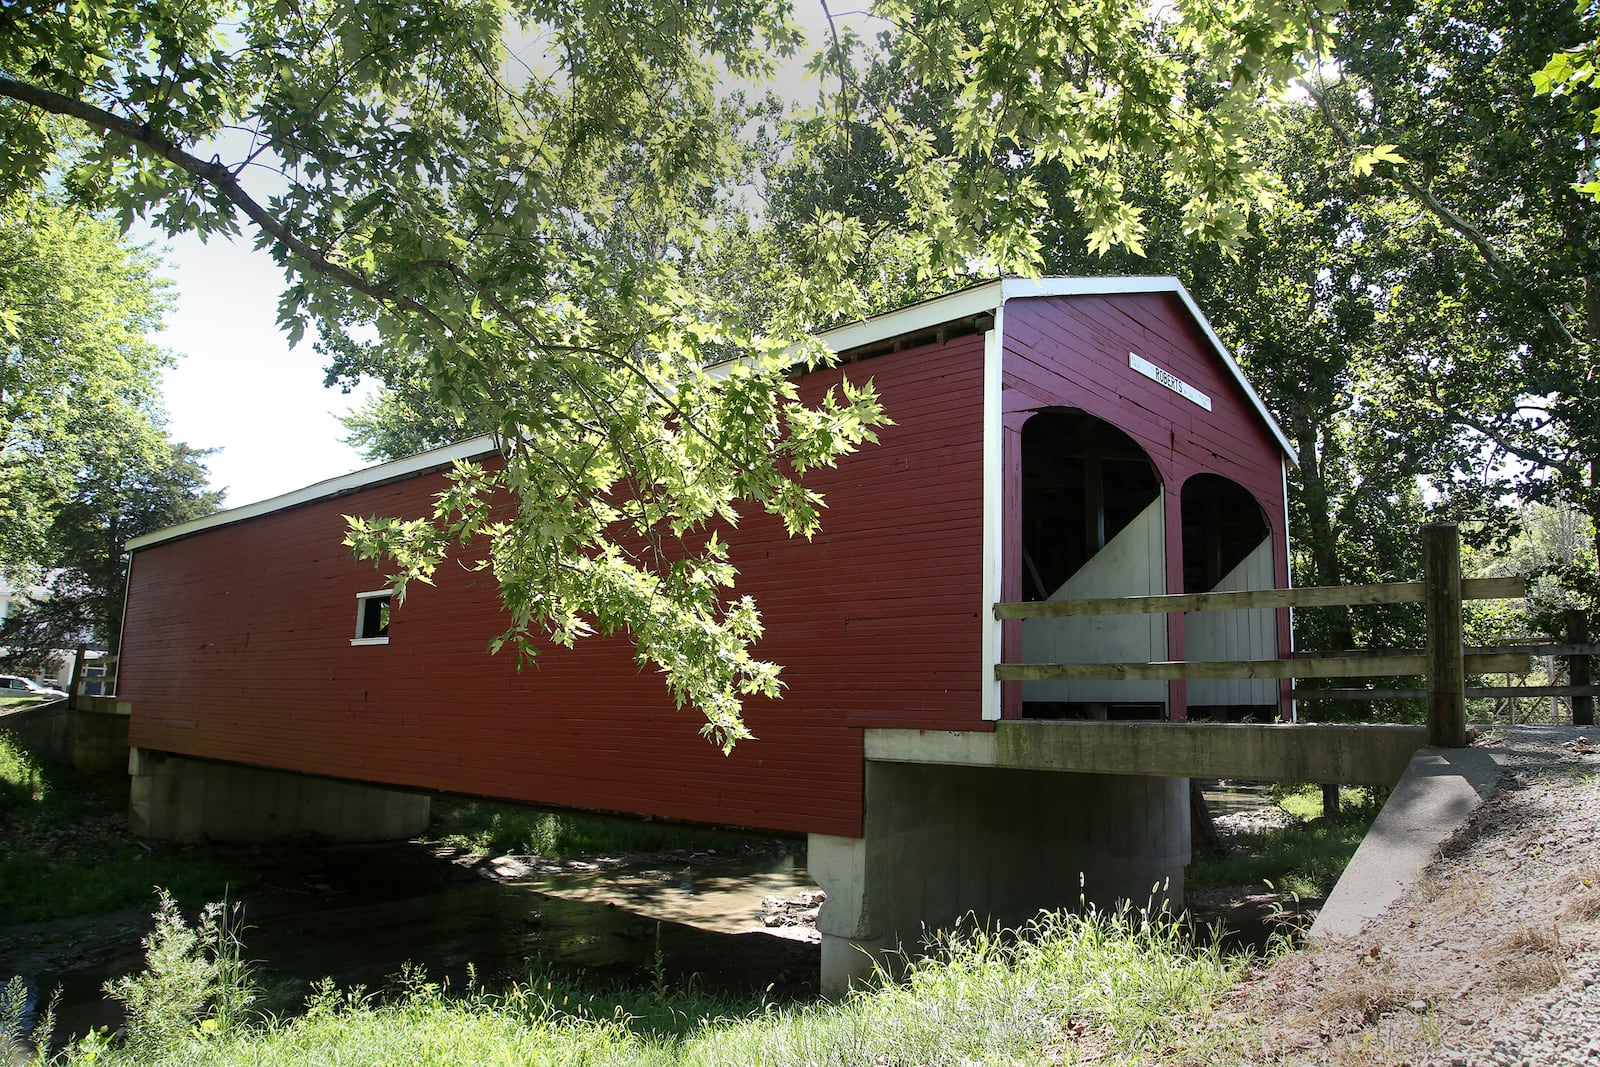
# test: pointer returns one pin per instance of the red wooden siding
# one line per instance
(1074, 353)
(237, 644)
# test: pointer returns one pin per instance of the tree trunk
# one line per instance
(1202, 827)
(1320, 536)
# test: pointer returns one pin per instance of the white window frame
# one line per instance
(361, 614)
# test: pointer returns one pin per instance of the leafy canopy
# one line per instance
(79, 372)
(515, 201)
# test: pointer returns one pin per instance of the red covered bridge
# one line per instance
(1056, 438)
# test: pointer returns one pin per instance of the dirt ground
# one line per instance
(1493, 958)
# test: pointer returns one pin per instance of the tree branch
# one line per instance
(1523, 452)
(217, 176)
(1430, 202)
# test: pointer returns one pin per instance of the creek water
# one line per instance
(361, 914)
(1238, 798)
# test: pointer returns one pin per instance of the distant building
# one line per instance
(12, 599)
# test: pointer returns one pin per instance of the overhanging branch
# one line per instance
(219, 177)
(1430, 202)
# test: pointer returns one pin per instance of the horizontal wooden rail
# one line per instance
(1357, 666)
(1358, 695)
(1445, 662)
(1524, 649)
(1533, 691)
(1315, 596)
(1549, 649)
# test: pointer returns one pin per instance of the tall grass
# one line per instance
(1114, 984)
(1107, 987)
(22, 782)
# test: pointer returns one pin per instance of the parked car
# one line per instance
(12, 685)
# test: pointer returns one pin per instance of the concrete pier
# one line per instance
(177, 798)
(942, 843)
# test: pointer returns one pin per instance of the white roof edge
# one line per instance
(980, 298)
(330, 487)
(985, 297)
(1237, 372)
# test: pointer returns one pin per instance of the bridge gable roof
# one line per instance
(967, 307)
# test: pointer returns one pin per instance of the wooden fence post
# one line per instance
(75, 686)
(1578, 672)
(1441, 576)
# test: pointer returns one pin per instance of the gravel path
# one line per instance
(1492, 958)
(1551, 770)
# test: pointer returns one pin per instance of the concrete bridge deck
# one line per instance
(1361, 754)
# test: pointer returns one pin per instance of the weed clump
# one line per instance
(195, 981)
(22, 781)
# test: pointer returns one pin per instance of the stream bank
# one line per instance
(736, 921)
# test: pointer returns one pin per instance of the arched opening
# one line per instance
(1083, 482)
(1222, 525)
(1092, 526)
(1227, 545)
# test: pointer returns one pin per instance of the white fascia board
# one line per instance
(965, 303)
(993, 515)
(983, 298)
(366, 478)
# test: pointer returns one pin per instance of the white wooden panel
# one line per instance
(1133, 563)
(1231, 635)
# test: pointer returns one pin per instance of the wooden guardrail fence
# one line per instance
(1445, 662)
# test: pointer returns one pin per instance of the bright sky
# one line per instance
(238, 387)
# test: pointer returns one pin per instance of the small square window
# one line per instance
(372, 618)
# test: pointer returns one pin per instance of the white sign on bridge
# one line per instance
(1170, 380)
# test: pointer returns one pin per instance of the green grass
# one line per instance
(1303, 859)
(500, 829)
(1111, 988)
(22, 782)
(65, 853)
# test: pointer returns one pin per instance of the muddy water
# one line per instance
(359, 915)
(1234, 798)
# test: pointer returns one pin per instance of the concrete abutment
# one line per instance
(941, 843)
(179, 798)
